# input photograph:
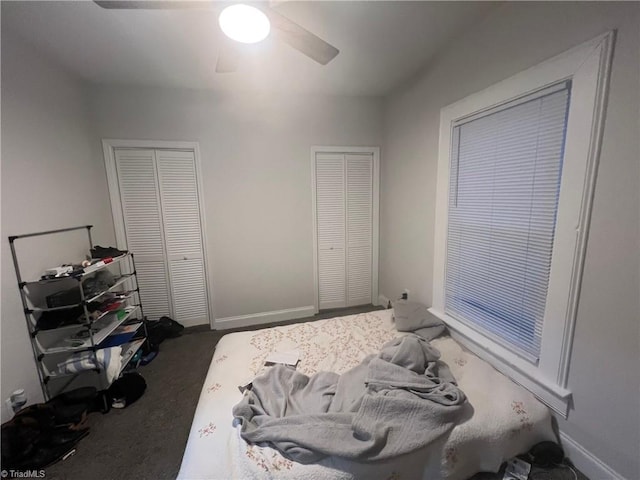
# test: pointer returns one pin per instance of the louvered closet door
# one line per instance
(142, 214)
(359, 193)
(331, 224)
(183, 235)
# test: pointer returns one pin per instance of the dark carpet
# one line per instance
(147, 439)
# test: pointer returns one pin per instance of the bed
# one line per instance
(502, 419)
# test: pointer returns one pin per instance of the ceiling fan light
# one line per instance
(244, 23)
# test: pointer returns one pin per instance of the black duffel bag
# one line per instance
(162, 329)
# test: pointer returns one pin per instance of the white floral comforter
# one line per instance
(503, 418)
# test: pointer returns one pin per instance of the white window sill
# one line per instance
(516, 368)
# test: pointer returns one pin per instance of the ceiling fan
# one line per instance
(280, 26)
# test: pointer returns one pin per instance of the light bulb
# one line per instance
(244, 24)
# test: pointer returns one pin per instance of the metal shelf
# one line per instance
(75, 305)
(129, 350)
(119, 281)
(51, 345)
(80, 277)
(86, 344)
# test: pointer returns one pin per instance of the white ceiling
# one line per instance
(381, 43)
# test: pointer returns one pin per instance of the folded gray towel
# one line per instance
(415, 317)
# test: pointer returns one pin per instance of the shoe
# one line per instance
(104, 252)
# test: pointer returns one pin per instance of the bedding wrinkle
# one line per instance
(392, 403)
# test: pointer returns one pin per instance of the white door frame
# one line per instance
(108, 148)
(375, 151)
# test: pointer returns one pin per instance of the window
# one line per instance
(516, 171)
(503, 199)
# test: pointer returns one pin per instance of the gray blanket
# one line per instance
(392, 403)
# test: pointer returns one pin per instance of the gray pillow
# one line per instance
(415, 317)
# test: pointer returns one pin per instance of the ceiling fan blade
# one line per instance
(228, 58)
(151, 4)
(301, 39)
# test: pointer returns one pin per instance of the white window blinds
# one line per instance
(505, 173)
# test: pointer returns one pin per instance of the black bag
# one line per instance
(59, 318)
(173, 328)
(72, 407)
(162, 329)
(127, 389)
(33, 438)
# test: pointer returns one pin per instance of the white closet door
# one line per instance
(143, 227)
(183, 235)
(331, 224)
(359, 193)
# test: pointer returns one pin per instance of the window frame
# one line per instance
(588, 67)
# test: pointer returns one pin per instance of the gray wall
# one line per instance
(256, 169)
(51, 178)
(604, 376)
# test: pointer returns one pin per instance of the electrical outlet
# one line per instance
(405, 294)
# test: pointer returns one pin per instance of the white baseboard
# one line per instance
(264, 317)
(195, 323)
(587, 463)
(383, 301)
